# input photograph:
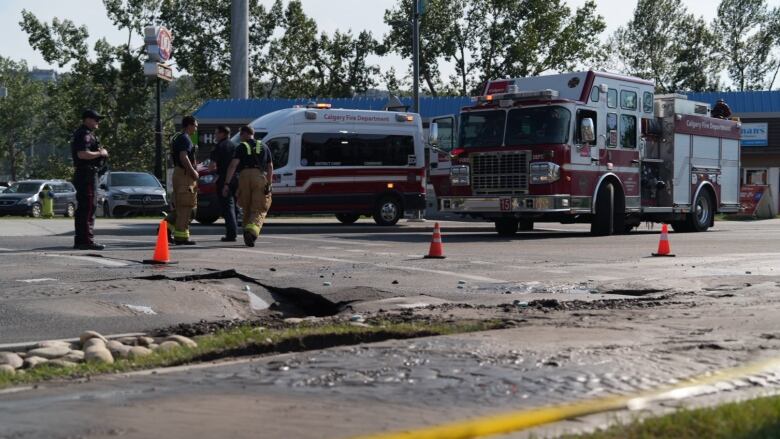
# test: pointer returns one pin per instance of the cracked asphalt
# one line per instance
(594, 316)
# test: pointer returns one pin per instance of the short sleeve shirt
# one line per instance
(83, 140)
(182, 143)
(222, 155)
(250, 159)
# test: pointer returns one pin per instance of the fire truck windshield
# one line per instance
(482, 129)
(538, 126)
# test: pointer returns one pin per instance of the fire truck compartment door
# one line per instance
(729, 172)
(681, 185)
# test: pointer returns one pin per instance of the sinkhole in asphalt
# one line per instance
(288, 300)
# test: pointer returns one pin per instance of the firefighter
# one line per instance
(256, 172)
(721, 110)
(88, 159)
(185, 182)
(47, 202)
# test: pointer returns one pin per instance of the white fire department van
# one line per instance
(345, 162)
(587, 147)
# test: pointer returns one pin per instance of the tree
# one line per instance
(746, 31)
(342, 64)
(665, 43)
(291, 57)
(20, 114)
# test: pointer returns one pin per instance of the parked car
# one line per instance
(3, 188)
(22, 198)
(209, 209)
(128, 193)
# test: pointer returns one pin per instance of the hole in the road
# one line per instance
(636, 292)
(290, 301)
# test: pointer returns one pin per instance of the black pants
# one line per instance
(85, 181)
(228, 205)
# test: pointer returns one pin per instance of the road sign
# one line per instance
(157, 70)
(159, 43)
(421, 7)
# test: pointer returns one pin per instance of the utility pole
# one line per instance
(416, 55)
(239, 49)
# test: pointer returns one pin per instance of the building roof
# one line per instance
(246, 110)
(743, 102)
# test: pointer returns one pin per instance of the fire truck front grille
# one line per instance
(500, 172)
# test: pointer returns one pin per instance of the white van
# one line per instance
(345, 162)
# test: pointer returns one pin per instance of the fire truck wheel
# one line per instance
(506, 226)
(526, 225)
(603, 223)
(700, 218)
(388, 211)
(347, 218)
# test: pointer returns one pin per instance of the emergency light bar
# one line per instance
(404, 118)
(320, 106)
(522, 95)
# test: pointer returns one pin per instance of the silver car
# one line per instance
(130, 193)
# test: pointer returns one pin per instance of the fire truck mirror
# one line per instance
(587, 130)
(433, 134)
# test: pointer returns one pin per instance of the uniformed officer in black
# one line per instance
(88, 158)
(220, 160)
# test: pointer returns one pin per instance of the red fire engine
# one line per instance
(592, 148)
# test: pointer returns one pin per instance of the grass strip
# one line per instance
(753, 419)
(250, 340)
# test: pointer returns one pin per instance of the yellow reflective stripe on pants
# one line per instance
(181, 234)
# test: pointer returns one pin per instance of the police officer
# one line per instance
(185, 182)
(220, 161)
(254, 162)
(88, 158)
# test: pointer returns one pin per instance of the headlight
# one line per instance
(207, 179)
(544, 172)
(460, 175)
(27, 201)
(119, 197)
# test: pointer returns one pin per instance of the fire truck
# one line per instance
(586, 147)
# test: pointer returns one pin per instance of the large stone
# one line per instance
(11, 359)
(74, 356)
(118, 350)
(138, 352)
(50, 352)
(93, 342)
(7, 369)
(99, 355)
(52, 343)
(182, 340)
(168, 345)
(145, 341)
(130, 341)
(86, 335)
(33, 361)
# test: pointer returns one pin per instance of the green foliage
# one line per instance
(747, 33)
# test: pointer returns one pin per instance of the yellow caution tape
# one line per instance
(523, 419)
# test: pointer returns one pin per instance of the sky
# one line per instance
(329, 14)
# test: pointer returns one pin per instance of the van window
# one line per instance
(335, 149)
(627, 131)
(280, 150)
(595, 93)
(612, 129)
(628, 100)
(647, 102)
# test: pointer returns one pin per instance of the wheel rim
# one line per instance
(71, 210)
(389, 212)
(703, 210)
(36, 211)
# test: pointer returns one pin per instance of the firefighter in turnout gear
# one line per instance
(185, 182)
(255, 165)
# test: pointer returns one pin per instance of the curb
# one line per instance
(29, 344)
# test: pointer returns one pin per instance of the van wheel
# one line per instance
(388, 211)
(70, 210)
(347, 218)
(506, 226)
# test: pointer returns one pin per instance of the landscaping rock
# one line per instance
(52, 343)
(129, 341)
(74, 356)
(33, 361)
(50, 352)
(153, 346)
(7, 369)
(86, 335)
(93, 342)
(11, 359)
(359, 324)
(293, 320)
(182, 340)
(138, 352)
(98, 354)
(145, 341)
(168, 345)
(119, 350)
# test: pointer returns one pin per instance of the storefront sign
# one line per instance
(755, 134)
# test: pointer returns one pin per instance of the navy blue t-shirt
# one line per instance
(182, 143)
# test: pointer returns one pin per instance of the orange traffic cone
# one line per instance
(161, 253)
(664, 249)
(437, 250)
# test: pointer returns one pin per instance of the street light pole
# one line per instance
(158, 135)
(416, 55)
